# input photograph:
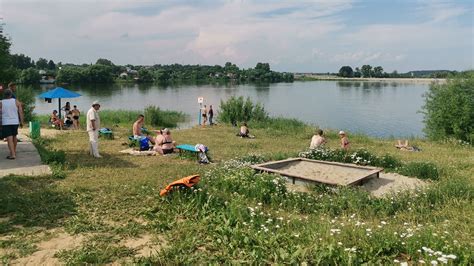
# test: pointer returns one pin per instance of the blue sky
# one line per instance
(298, 36)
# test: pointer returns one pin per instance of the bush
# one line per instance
(26, 96)
(236, 110)
(449, 109)
(420, 170)
(158, 118)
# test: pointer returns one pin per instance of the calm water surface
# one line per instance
(374, 108)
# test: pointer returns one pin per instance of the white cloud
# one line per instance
(291, 35)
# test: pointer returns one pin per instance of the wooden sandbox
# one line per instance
(304, 171)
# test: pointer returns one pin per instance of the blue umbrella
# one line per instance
(59, 93)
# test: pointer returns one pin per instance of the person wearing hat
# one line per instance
(345, 144)
(93, 125)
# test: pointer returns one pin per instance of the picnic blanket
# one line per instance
(188, 181)
(131, 151)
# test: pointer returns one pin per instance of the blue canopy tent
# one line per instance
(59, 93)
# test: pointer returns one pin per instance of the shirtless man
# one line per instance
(137, 129)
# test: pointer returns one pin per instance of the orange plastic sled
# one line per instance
(188, 181)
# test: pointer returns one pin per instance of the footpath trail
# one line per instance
(27, 162)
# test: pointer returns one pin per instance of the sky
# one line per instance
(294, 36)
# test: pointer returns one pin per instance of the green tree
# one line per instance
(145, 75)
(449, 109)
(346, 72)
(51, 65)
(71, 74)
(30, 76)
(99, 74)
(42, 63)
(378, 72)
(103, 61)
(357, 73)
(7, 72)
(366, 71)
(21, 61)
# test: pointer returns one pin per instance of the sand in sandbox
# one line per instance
(323, 172)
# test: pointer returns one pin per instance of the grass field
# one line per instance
(234, 215)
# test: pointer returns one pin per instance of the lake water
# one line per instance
(380, 109)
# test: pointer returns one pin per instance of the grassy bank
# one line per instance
(125, 118)
(236, 215)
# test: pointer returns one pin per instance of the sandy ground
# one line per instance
(45, 132)
(386, 185)
(389, 183)
(324, 172)
(47, 249)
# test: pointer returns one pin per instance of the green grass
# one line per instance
(236, 215)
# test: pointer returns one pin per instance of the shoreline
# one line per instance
(401, 80)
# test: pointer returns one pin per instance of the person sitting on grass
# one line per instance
(317, 140)
(345, 144)
(137, 129)
(405, 147)
(244, 131)
(55, 121)
(164, 142)
(68, 122)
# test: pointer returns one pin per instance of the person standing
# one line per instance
(345, 144)
(93, 125)
(210, 114)
(12, 117)
(204, 115)
(75, 116)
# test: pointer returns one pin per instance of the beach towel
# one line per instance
(188, 181)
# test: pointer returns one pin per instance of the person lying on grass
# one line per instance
(405, 147)
(137, 129)
(164, 144)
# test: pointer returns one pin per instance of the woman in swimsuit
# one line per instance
(164, 142)
(345, 144)
(75, 117)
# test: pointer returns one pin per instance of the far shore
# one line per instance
(407, 80)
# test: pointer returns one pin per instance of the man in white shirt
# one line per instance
(93, 125)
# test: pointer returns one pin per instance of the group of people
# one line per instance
(71, 117)
(11, 118)
(207, 113)
(319, 140)
(163, 142)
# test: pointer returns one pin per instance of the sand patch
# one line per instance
(145, 246)
(392, 183)
(322, 172)
(47, 250)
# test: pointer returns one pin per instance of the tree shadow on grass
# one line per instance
(32, 202)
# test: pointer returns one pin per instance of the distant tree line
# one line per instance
(367, 71)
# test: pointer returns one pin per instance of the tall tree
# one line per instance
(346, 72)
(7, 73)
(21, 61)
(51, 65)
(378, 71)
(366, 71)
(42, 63)
(103, 61)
